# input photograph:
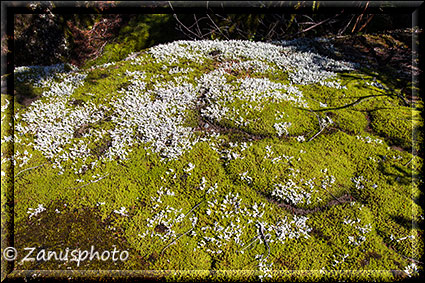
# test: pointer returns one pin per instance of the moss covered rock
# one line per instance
(265, 158)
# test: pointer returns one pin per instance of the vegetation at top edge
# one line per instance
(83, 36)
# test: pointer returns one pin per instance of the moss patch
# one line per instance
(219, 156)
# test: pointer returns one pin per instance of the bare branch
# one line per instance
(367, 21)
(217, 28)
(186, 28)
(162, 251)
(197, 26)
(359, 18)
(319, 23)
(346, 26)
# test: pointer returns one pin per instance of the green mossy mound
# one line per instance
(213, 156)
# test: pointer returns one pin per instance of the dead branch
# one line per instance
(185, 27)
(359, 18)
(217, 28)
(319, 23)
(321, 128)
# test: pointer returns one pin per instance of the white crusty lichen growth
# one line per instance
(163, 102)
(159, 122)
(282, 128)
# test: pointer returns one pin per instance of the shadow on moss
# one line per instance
(59, 228)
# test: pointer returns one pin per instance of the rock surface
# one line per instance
(222, 155)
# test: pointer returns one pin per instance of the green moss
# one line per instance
(395, 124)
(61, 229)
(356, 190)
(350, 121)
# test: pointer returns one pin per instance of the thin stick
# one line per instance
(29, 169)
(217, 28)
(177, 19)
(409, 258)
(197, 26)
(346, 105)
(367, 21)
(321, 129)
(409, 162)
(193, 208)
(359, 18)
(250, 243)
(332, 195)
(264, 238)
(95, 181)
(318, 24)
(175, 240)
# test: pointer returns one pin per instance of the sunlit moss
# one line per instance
(354, 189)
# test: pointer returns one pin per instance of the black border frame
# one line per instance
(10, 8)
